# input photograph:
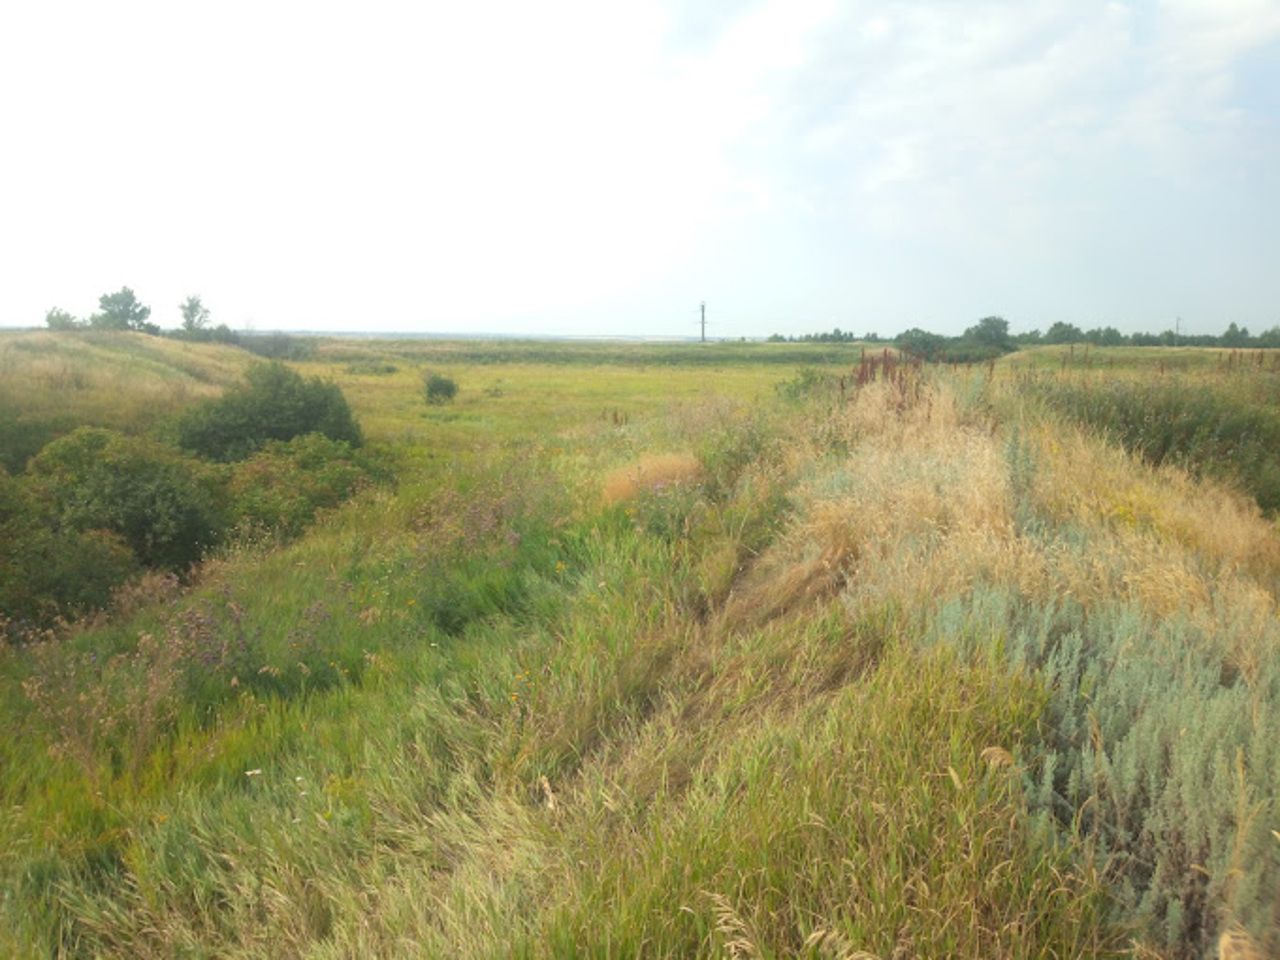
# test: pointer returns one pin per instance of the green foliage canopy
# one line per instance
(274, 403)
(1062, 332)
(195, 315)
(162, 506)
(45, 572)
(282, 486)
(438, 389)
(122, 311)
(59, 319)
(921, 343)
(992, 332)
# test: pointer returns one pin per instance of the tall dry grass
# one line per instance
(938, 506)
(650, 473)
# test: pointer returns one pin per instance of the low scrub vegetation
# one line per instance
(281, 488)
(274, 403)
(887, 662)
(95, 507)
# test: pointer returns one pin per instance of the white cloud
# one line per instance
(402, 164)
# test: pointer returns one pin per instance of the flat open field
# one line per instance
(749, 650)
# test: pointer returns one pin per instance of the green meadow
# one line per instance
(640, 650)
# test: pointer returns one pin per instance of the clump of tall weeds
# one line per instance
(105, 714)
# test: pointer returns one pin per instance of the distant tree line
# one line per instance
(1234, 337)
(990, 337)
(123, 311)
(835, 336)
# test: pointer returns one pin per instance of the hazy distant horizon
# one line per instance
(881, 337)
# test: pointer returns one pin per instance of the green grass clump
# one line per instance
(885, 816)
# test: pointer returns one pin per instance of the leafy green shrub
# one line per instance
(281, 487)
(46, 574)
(438, 389)
(274, 403)
(807, 382)
(164, 507)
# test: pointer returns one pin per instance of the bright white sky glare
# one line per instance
(600, 167)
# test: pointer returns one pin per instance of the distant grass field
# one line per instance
(649, 654)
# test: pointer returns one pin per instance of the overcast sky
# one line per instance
(603, 166)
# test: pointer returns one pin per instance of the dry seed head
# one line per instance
(738, 942)
(1236, 944)
(830, 943)
(998, 757)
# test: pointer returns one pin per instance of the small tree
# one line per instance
(921, 343)
(122, 311)
(991, 332)
(58, 319)
(438, 389)
(1063, 332)
(1236, 337)
(195, 315)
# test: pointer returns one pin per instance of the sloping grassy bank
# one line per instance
(51, 383)
(909, 672)
(1221, 421)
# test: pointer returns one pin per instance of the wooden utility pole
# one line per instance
(704, 321)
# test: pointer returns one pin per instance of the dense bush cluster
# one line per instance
(48, 570)
(281, 487)
(274, 403)
(96, 507)
(161, 505)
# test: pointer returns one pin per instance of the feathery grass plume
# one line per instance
(1236, 944)
(734, 934)
(829, 943)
